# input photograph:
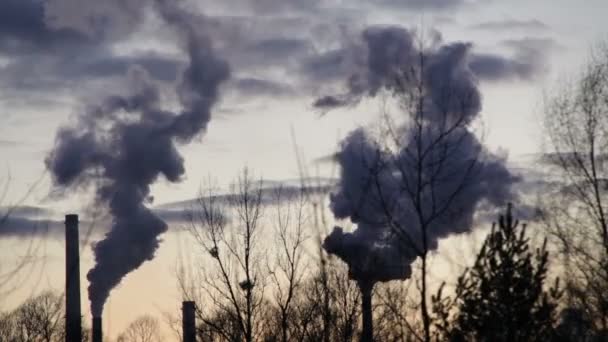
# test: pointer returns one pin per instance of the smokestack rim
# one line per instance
(71, 219)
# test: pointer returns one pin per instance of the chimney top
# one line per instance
(71, 218)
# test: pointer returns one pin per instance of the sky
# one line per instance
(60, 58)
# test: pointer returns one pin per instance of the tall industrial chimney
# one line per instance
(73, 329)
(97, 332)
(188, 321)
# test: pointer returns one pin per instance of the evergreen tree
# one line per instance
(502, 297)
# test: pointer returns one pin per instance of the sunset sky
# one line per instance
(59, 56)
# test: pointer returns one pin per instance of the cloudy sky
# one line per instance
(56, 57)
(60, 58)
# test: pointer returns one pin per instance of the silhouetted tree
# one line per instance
(11, 274)
(229, 228)
(142, 329)
(327, 306)
(38, 319)
(502, 297)
(576, 128)
(285, 272)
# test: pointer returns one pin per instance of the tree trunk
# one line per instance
(426, 320)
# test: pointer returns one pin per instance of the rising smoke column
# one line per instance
(126, 142)
(377, 185)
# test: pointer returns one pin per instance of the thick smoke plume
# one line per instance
(437, 177)
(126, 142)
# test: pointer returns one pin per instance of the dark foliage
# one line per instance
(502, 297)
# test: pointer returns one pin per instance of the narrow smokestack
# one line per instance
(188, 322)
(73, 331)
(97, 332)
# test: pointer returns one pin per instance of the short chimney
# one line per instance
(73, 329)
(188, 321)
(97, 332)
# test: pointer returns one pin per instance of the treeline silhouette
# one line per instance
(506, 295)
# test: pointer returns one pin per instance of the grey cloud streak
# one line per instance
(528, 61)
(499, 25)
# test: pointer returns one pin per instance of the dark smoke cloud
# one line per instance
(368, 67)
(371, 251)
(376, 185)
(374, 62)
(125, 143)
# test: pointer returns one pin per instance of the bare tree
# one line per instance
(143, 329)
(38, 319)
(576, 127)
(8, 327)
(11, 275)
(431, 173)
(286, 272)
(391, 311)
(229, 228)
(326, 306)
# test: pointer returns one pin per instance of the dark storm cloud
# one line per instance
(24, 31)
(532, 24)
(52, 47)
(71, 44)
(107, 19)
(54, 73)
(43, 59)
(528, 61)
